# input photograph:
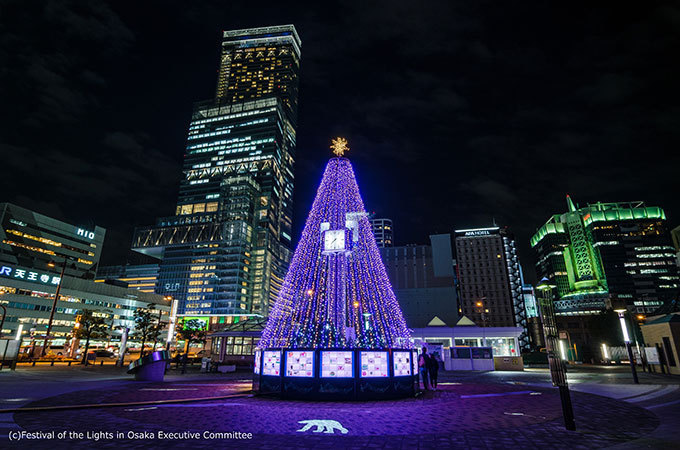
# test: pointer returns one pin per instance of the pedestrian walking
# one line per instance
(185, 359)
(433, 370)
(422, 365)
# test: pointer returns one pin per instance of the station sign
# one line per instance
(29, 275)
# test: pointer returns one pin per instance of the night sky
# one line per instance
(456, 112)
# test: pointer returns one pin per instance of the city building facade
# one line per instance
(534, 324)
(35, 241)
(142, 277)
(607, 252)
(28, 299)
(423, 281)
(490, 279)
(227, 248)
(382, 230)
(675, 236)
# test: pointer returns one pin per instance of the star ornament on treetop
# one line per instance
(339, 146)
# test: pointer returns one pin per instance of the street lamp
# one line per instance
(626, 339)
(482, 311)
(4, 314)
(158, 327)
(172, 322)
(54, 303)
(605, 353)
(558, 371)
(563, 350)
(19, 331)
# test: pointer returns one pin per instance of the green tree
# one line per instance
(192, 331)
(147, 326)
(89, 327)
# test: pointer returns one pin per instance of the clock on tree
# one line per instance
(334, 241)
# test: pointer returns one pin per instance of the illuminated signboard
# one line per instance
(300, 363)
(477, 233)
(415, 362)
(258, 358)
(337, 364)
(171, 286)
(28, 275)
(374, 364)
(271, 363)
(202, 319)
(402, 364)
(85, 233)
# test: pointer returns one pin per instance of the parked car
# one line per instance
(199, 355)
(104, 354)
(57, 350)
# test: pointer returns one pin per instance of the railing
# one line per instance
(52, 362)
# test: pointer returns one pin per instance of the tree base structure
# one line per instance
(150, 367)
(336, 373)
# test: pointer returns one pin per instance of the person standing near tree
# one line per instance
(422, 365)
(433, 369)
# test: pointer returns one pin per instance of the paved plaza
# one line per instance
(469, 410)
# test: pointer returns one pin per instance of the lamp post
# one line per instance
(482, 312)
(4, 314)
(123, 346)
(158, 327)
(54, 303)
(626, 338)
(558, 371)
(171, 322)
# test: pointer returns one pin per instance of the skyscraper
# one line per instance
(227, 248)
(490, 279)
(675, 234)
(607, 252)
(382, 230)
(423, 281)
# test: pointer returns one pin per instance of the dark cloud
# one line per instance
(457, 113)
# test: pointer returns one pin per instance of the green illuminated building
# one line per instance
(607, 252)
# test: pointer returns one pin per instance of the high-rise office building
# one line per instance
(607, 252)
(675, 235)
(382, 230)
(423, 281)
(226, 249)
(32, 240)
(534, 324)
(489, 279)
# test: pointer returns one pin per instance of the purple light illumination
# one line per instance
(336, 295)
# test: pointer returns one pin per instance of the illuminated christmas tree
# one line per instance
(336, 292)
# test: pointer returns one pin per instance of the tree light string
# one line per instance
(341, 297)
